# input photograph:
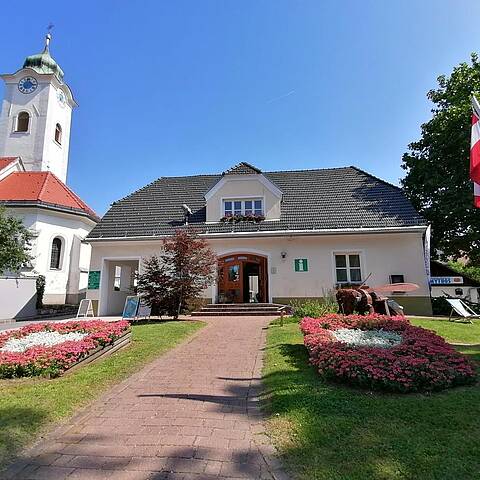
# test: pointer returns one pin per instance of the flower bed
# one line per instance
(51, 348)
(383, 353)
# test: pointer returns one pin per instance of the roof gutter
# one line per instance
(277, 233)
(48, 206)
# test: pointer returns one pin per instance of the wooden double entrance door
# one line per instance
(242, 278)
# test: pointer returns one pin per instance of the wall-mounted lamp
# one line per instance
(283, 255)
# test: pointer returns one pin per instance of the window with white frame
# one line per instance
(56, 254)
(117, 278)
(250, 206)
(348, 268)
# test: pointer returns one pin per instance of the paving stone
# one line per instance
(49, 473)
(193, 413)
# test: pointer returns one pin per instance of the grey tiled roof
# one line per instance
(242, 168)
(333, 198)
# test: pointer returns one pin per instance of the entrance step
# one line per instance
(239, 309)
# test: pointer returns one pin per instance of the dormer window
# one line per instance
(252, 206)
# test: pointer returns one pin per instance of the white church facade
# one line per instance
(35, 123)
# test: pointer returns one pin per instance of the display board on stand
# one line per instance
(130, 309)
(85, 309)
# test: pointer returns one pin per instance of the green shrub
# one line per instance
(314, 308)
(40, 286)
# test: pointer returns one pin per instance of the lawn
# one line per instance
(455, 332)
(28, 406)
(326, 431)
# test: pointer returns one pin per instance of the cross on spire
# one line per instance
(48, 36)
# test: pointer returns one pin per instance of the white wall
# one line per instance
(75, 257)
(18, 297)
(381, 255)
(11, 168)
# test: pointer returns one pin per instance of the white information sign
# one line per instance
(85, 309)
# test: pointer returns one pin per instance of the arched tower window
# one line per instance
(56, 253)
(58, 134)
(23, 121)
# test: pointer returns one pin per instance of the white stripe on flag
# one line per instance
(476, 106)
(475, 134)
(476, 189)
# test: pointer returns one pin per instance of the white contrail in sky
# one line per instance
(291, 92)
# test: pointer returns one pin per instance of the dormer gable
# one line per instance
(243, 190)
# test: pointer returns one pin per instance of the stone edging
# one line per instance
(101, 352)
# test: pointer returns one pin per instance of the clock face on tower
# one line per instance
(61, 98)
(27, 84)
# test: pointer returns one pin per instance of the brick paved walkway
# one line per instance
(191, 414)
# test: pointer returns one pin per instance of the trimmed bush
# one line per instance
(422, 361)
(53, 359)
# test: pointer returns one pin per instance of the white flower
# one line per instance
(367, 338)
(44, 339)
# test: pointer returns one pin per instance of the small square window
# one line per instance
(248, 207)
(258, 207)
(347, 268)
(397, 279)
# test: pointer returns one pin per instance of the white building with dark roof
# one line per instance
(279, 236)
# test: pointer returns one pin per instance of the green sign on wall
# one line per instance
(301, 265)
(94, 280)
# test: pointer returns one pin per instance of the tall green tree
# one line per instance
(437, 180)
(15, 243)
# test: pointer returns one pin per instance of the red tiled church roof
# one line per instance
(41, 188)
(5, 161)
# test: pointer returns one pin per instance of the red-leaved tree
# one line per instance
(172, 279)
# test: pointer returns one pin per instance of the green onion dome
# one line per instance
(43, 62)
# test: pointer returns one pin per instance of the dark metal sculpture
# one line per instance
(364, 299)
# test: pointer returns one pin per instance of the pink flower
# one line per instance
(40, 360)
(422, 361)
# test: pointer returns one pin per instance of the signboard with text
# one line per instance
(446, 280)
(94, 280)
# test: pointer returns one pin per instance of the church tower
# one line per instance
(36, 115)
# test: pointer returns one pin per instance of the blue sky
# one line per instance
(187, 87)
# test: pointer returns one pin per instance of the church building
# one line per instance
(35, 123)
(279, 237)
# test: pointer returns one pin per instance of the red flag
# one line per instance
(475, 152)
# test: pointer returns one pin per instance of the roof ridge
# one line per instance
(309, 170)
(40, 193)
(73, 195)
(376, 178)
(242, 168)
